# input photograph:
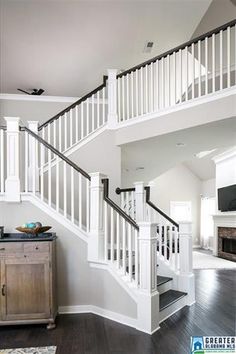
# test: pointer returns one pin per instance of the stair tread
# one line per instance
(170, 297)
(162, 280)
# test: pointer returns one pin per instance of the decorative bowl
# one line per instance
(35, 231)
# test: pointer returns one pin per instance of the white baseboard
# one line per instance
(113, 316)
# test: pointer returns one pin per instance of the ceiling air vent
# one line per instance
(148, 47)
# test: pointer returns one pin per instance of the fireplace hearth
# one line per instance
(227, 243)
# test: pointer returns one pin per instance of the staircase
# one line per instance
(148, 253)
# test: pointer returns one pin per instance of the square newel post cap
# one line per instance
(96, 178)
(12, 123)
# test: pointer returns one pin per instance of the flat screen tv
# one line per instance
(227, 198)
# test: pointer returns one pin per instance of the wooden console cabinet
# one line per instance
(27, 281)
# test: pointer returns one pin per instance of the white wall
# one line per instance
(77, 282)
(218, 13)
(179, 184)
(208, 189)
(31, 110)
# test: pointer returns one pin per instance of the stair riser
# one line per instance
(164, 287)
(170, 310)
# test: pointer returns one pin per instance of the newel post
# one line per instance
(96, 234)
(12, 183)
(139, 201)
(148, 297)
(112, 99)
(186, 276)
(33, 168)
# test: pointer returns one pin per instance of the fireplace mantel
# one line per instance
(222, 220)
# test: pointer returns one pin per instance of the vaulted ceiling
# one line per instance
(66, 46)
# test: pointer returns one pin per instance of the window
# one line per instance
(181, 211)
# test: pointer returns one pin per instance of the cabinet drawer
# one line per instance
(8, 247)
(33, 247)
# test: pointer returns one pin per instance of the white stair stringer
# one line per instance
(55, 215)
(86, 140)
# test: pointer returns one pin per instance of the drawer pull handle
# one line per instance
(2, 249)
(4, 290)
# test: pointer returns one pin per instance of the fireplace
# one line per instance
(227, 243)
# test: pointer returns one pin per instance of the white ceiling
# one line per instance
(159, 154)
(66, 46)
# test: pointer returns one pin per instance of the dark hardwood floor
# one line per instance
(213, 314)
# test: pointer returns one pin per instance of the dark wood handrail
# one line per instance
(159, 210)
(176, 49)
(147, 189)
(123, 190)
(56, 152)
(73, 105)
(109, 201)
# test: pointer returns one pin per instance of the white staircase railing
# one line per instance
(197, 68)
(78, 121)
(64, 187)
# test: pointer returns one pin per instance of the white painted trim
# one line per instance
(99, 311)
(180, 106)
(225, 155)
(77, 146)
(35, 98)
(56, 216)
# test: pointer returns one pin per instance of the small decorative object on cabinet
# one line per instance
(28, 279)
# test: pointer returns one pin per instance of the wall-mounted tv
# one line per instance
(227, 198)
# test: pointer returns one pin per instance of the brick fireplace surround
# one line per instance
(227, 243)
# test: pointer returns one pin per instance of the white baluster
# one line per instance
(136, 93)
(123, 97)
(130, 267)
(112, 235)
(199, 69)
(65, 189)
(103, 106)
(165, 241)
(168, 80)
(112, 99)
(136, 242)
(119, 98)
(140, 201)
(87, 116)
(162, 84)
(127, 96)
(213, 63)
(186, 79)
(221, 60)
(141, 90)
(60, 134)
(65, 131)
(77, 125)
(132, 94)
(151, 88)
(124, 246)
(105, 231)
(82, 119)
(146, 89)
(57, 185)
(33, 170)
(93, 115)
(118, 240)
(27, 162)
(87, 205)
(174, 77)
(80, 201)
(157, 86)
(72, 195)
(206, 65)
(176, 239)
(228, 57)
(193, 71)
(98, 109)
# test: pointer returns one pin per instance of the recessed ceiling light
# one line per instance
(180, 144)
